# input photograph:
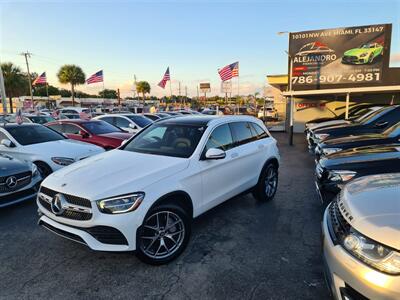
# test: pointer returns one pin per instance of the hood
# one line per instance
(114, 173)
(352, 139)
(356, 52)
(373, 203)
(117, 135)
(329, 123)
(11, 166)
(361, 154)
(65, 148)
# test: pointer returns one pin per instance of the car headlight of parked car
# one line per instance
(341, 175)
(364, 54)
(120, 204)
(34, 170)
(63, 161)
(372, 253)
(328, 151)
(321, 136)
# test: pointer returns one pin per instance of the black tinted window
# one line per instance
(241, 132)
(167, 139)
(121, 122)
(56, 127)
(100, 127)
(71, 129)
(220, 138)
(28, 135)
(107, 119)
(141, 121)
(258, 132)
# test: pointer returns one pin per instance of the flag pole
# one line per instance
(47, 92)
(237, 102)
(104, 93)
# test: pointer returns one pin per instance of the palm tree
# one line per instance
(73, 75)
(15, 82)
(144, 88)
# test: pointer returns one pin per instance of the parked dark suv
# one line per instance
(337, 169)
(375, 123)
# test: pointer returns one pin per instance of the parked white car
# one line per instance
(270, 113)
(361, 244)
(131, 123)
(74, 110)
(46, 148)
(144, 195)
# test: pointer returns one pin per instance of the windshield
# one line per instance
(41, 119)
(393, 131)
(167, 139)
(365, 113)
(141, 121)
(100, 127)
(374, 116)
(28, 135)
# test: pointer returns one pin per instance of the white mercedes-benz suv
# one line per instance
(144, 195)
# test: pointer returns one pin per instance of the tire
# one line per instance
(164, 234)
(267, 183)
(43, 168)
(371, 59)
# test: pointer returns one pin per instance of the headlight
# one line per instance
(321, 136)
(63, 161)
(327, 151)
(372, 253)
(34, 170)
(120, 204)
(364, 54)
(341, 175)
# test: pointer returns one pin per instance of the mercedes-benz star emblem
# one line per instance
(11, 182)
(57, 204)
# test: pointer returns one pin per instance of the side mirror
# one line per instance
(7, 143)
(83, 134)
(123, 143)
(133, 126)
(215, 153)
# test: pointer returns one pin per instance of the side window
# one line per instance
(241, 133)
(220, 138)
(70, 129)
(3, 136)
(121, 122)
(258, 132)
(56, 127)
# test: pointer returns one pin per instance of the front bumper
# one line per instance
(101, 232)
(354, 60)
(26, 193)
(348, 276)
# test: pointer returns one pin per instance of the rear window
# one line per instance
(141, 121)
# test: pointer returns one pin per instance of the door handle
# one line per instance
(234, 155)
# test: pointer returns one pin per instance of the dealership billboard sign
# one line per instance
(341, 56)
(205, 87)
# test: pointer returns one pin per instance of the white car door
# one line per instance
(218, 177)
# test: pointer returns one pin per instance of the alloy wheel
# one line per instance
(271, 182)
(162, 235)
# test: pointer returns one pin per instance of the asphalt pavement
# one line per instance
(242, 249)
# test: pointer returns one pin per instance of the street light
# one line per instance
(291, 104)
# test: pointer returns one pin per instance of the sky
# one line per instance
(193, 38)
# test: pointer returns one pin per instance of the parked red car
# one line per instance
(95, 132)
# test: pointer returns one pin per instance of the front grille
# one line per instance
(337, 224)
(22, 179)
(17, 195)
(71, 212)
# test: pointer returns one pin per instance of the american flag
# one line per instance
(230, 71)
(164, 80)
(40, 79)
(18, 118)
(96, 77)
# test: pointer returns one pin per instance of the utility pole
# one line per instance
(27, 54)
(119, 99)
(184, 103)
(3, 92)
(180, 104)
